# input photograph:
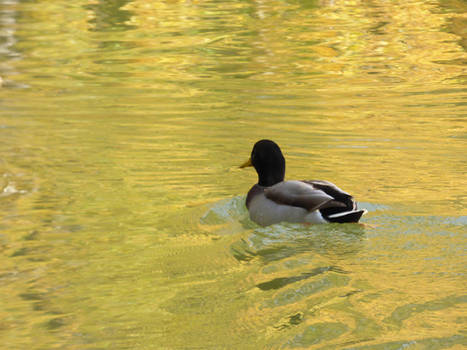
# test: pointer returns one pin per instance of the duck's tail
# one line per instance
(346, 216)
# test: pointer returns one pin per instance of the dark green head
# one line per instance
(268, 161)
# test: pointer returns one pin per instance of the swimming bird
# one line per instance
(273, 200)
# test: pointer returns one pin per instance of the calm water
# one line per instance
(122, 125)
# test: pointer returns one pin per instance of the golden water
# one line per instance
(122, 219)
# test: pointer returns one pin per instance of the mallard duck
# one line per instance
(273, 200)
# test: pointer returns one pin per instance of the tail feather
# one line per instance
(346, 216)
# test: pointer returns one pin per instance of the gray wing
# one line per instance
(332, 190)
(300, 194)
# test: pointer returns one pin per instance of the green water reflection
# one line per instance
(122, 124)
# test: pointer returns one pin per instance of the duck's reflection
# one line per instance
(278, 242)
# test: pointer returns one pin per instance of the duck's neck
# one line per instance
(270, 177)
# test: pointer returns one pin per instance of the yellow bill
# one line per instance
(247, 163)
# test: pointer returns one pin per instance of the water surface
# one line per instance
(122, 221)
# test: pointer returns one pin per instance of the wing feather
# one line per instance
(329, 188)
(298, 194)
(342, 198)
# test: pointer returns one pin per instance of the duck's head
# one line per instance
(268, 161)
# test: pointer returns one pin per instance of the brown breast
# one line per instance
(255, 190)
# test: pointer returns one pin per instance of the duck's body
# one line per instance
(273, 200)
